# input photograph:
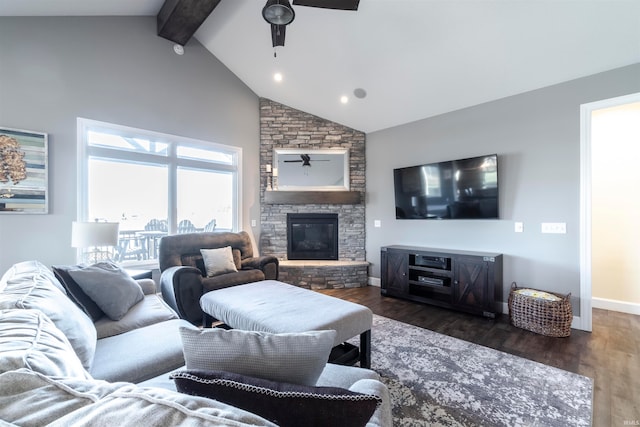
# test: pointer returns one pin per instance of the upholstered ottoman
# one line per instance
(276, 307)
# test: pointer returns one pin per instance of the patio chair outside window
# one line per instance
(211, 226)
(186, 226)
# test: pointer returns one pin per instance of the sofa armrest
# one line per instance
(267, 263)
(148, 286)
(181, 288)
(382, 416)
(227, 280)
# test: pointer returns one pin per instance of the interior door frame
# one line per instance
(586, 111)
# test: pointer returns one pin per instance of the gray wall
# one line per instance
(537, 138)
(113, 69)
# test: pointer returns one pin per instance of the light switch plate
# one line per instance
(377, 223)
(554, 227)
(518, 227)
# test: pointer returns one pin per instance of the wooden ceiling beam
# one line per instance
(329, 4)
(178, 20)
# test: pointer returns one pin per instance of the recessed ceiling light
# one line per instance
(344, 99)
(277, 77)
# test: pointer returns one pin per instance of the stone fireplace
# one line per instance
(285, 127)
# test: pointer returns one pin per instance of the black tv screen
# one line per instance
(456, 189)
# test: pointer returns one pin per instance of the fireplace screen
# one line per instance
(312, 236)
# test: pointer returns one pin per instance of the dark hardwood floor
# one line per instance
(610, 355)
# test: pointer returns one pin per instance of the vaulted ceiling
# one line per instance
(413, 58)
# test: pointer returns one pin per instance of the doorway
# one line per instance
(600, 124)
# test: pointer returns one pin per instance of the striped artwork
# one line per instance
(21, 151)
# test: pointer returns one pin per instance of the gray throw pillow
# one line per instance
(110, 287)
(75, 292)
(296, 358)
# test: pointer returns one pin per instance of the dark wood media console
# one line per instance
(461, 280)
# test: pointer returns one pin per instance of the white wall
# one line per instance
(537, 138)
(112, 69)
(615, 150)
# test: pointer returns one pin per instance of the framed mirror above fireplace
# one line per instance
(311, 170)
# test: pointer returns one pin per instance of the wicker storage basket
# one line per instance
(550, 318)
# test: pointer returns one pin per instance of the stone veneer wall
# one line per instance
(340, 274)
(285, 127)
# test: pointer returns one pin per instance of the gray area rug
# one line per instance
(437, 380)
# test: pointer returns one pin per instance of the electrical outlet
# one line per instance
(377, 223)
(518, 227)
(253, 223)
(554, 227)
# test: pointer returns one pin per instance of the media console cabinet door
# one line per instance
(471, 284)
(395, 265)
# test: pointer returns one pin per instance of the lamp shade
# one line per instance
(87, 234)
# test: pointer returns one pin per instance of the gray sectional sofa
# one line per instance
(59, 366)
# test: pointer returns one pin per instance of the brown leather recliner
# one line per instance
(184, 279)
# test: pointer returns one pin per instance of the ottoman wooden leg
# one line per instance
(365, 349)
(207, 320)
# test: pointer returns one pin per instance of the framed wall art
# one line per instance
(24, 184)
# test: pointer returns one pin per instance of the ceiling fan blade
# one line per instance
(293, 161)
(277, 34)
(329, 4)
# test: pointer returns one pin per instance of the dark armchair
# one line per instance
(184, 279)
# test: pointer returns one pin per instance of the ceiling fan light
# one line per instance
(278, 12)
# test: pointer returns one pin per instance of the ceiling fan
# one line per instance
(306, 160)
(279, 13)
(178, 20)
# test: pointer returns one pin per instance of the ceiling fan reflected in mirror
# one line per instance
(306, 160)
(279, 13)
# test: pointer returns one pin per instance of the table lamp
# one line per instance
(94, 235)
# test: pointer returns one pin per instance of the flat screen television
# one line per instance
(455, 189)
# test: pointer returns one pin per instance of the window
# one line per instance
(431, 176)
(154, 184)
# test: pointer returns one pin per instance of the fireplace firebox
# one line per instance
(312, 236)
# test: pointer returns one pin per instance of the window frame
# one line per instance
(171, 161)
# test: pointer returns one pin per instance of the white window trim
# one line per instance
(84, 151)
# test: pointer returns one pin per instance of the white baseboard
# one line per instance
(374, 281)
(615, 305)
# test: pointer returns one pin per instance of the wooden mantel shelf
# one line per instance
(312, 197)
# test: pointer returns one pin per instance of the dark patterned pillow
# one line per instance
(287, 405)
